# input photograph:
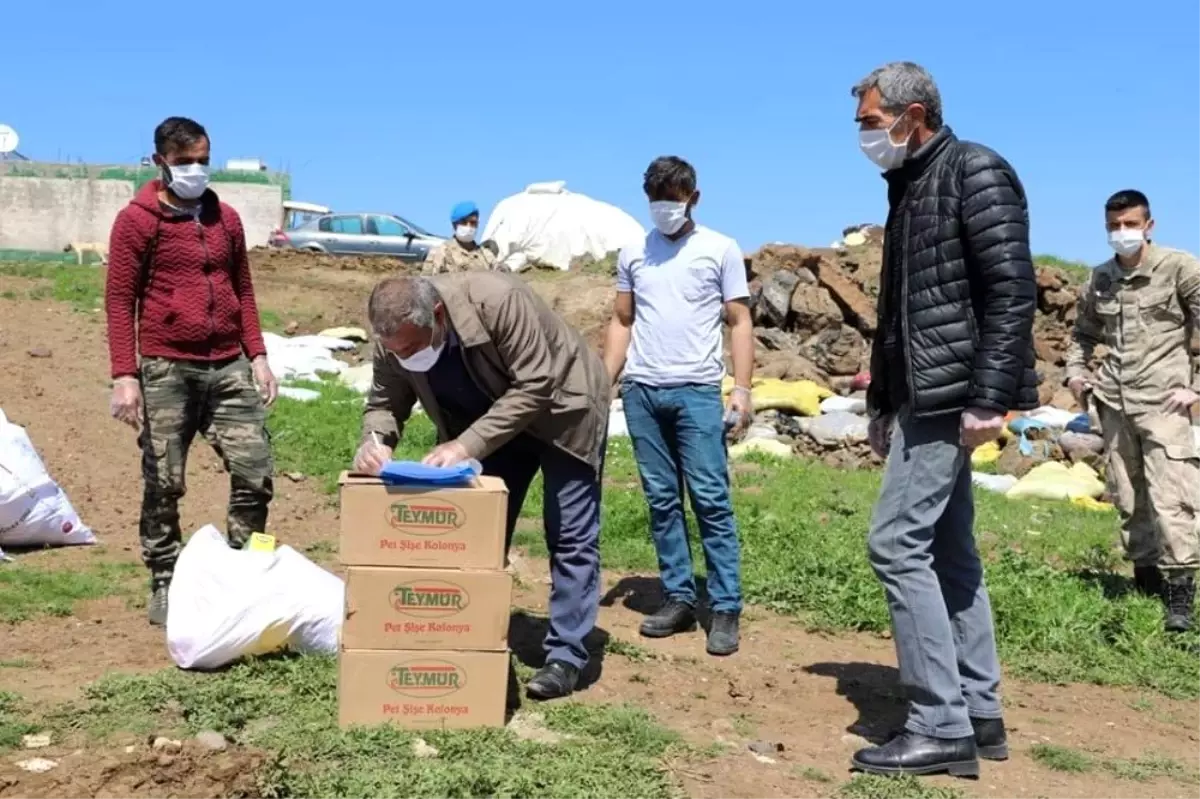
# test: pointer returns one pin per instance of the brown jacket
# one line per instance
(544, 378)
(1143, 317)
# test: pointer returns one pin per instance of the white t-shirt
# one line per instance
(679, 288)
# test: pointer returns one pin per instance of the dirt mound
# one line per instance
(269, 258)
(143, 772)
(814, 311)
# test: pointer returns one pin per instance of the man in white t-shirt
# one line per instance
(666, 333)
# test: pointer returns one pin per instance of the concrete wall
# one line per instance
(44, 213)
(47, 213)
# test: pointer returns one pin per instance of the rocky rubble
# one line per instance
(814, 312)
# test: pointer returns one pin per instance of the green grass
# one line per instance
(812, 774)
(1061, 758)
(287, 707)
(871, 786)
(1149, 766)
(1077, 271)
(803, 529)
(27, 592)
(81, 286)
(270, 320)
(14, 721)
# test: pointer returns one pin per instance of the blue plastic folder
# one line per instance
(414, 473)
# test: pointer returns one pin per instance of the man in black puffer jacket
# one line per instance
(954, 353)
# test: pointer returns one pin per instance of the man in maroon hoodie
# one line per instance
(179, 295)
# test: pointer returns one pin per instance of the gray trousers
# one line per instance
(922, 548)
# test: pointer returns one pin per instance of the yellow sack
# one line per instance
(801, 397)
(727, 383)
(767, 446)
(1054, 480)
(1087, 503)
(985, 454)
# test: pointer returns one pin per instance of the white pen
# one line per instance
(375, 438)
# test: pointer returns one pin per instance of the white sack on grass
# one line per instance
(34, 511)
(225, 604)
(304, 357)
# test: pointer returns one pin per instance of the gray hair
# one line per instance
(401, 300)
(901, 84)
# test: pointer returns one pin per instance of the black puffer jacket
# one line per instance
(964, 296)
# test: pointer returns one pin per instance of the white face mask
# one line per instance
(465, 233)
(188, 181)
(1127, 241)
(879, 147)
(423, 360)
(668, 216)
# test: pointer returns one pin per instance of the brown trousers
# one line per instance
(1154, 478)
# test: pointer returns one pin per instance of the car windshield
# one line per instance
(420, 231)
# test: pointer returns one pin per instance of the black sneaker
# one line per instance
(723, 635)
(156, 608)
(674, 617)
(991, 739)
(1178, 595)
(553, 681)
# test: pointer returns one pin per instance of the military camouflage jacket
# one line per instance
(453, 257)
(1144, 317)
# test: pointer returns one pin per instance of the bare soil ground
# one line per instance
(816, 696)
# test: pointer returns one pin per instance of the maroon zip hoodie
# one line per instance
(194, 300)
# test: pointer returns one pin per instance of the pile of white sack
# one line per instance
(34, 511)
(226, 604)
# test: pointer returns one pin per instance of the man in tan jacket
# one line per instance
(1141, 306)
(462, 253)
(508, 382)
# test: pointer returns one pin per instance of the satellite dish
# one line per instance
(8, 139)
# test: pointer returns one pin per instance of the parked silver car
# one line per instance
(359, 234)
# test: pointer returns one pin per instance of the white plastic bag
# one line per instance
(34, 511)
(855, 405)
(838, 428)
(225, 604)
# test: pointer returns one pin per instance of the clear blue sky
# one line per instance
(412, 106)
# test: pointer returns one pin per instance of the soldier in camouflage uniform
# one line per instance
(1140, 305)
(461, 253)
(179, 294)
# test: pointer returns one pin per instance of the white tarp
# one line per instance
(549, 224)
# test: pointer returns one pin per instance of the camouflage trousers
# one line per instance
(220, 401)
(1153, 472)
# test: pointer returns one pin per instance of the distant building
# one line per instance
(245, 165)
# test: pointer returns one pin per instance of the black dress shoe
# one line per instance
(553, 681)
(910, 753)
(676, 616)
(991, 740)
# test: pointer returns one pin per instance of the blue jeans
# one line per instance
(571, 515)
(678, 436)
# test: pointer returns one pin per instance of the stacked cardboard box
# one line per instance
(425, 639)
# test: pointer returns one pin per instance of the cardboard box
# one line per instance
(439, 690)
(453, 528)
(392, 608)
